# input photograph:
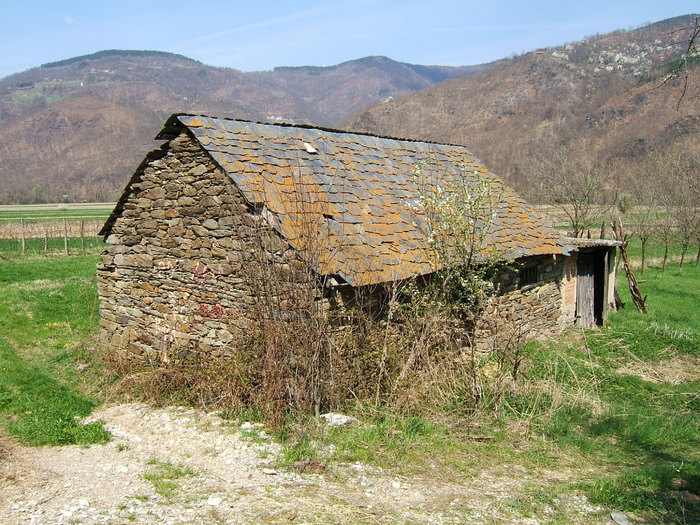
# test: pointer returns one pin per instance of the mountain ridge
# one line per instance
(78, 127)
(604, 96)
(115, 52)
(67, 126)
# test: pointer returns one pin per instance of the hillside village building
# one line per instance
(226, 208)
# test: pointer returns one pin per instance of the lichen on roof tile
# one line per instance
(360, 190)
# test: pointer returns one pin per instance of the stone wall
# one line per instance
(524, 312)
(190, 262)
(569, 293)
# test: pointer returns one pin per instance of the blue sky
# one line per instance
(261, 34)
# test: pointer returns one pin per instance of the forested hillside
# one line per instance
(78, 127)
(605, 106)
(605, 102)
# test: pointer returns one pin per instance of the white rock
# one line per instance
(214, 500)
(619, 518)
(337, 420)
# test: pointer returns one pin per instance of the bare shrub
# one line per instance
(310, 347)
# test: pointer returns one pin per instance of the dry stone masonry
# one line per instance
(185, 262)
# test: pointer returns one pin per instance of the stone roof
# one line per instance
(348, 201)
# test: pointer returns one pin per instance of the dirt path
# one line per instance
(200, 470)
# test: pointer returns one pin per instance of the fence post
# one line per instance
(24, 246)
(46, 236)
(65, 235)
(82, 236)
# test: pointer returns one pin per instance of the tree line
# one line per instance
(657, 196)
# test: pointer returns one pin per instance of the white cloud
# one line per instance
(69, 20)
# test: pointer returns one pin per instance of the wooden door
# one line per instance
(585, 291)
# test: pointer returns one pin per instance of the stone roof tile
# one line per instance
(360, 191)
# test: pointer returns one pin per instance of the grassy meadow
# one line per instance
(48, 315)
(72, 211)
(613, 413)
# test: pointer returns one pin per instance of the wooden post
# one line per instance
(46, 236)
(24, 246)
(82, 236)
(637, 298)
(65, 235)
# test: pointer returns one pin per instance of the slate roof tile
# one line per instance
(362, 192)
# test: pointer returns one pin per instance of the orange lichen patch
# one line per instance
(352, 199)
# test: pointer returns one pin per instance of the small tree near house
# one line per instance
(458, 212)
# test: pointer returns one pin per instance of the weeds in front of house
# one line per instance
(48, 313)
(620, 407)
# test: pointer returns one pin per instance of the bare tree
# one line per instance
(671, 184)
(643, 215)
(684, 185)
(580, 187)
(688, 59)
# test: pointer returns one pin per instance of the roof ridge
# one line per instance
(319, 128)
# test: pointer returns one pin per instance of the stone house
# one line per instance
(224, 209)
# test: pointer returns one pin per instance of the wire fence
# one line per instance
(63, 235)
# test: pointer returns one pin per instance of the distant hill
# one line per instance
(78, 127)
(601, 97)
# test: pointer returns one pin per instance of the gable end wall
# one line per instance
(188, 262)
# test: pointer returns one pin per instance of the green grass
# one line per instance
(56, 245)
(43, 220)
(48, 313)
(163, 476)
(60, 269)
(654, 252)
(71, 212)
(673, 299)
(629, 408)
(385, 440)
